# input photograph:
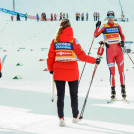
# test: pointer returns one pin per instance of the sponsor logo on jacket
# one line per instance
(64, 51)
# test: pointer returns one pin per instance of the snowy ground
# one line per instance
(25, 104)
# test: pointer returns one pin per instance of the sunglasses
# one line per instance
(110, 16)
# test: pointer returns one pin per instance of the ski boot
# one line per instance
(113, 93)
(123, 91)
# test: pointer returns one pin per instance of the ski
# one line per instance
(114, 100)
(125, 101)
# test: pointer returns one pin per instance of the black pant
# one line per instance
(73, 87)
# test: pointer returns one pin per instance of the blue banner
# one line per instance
(12, 12)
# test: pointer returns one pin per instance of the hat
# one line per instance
(110, 12)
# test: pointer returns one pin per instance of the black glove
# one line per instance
(98, 24)
(122, 43)
(0, 74)
(98, 61)
(51, 72)
(101, 42)
(107, 46)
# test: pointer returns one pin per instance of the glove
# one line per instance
(98, 61)
(98, 24)
(101, 42)
(107, 46)
(0, 74)
(122, 43)
(51, 72)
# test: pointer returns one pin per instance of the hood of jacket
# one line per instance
(66, 34)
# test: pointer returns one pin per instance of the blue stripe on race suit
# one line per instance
(111, 65)
(63, 46)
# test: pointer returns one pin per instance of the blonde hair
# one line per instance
(64, 23)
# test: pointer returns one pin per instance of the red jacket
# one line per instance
(67, 71)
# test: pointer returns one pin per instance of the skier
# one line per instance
(111, 32)
(62, 64)
(0, 69)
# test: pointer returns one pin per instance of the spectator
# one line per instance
(11, 17)
(45, 17)
(18, 17)
(87, 16)
(51, 17)
(67, 15)
(94, 15)
(61, 16)
(78, 16)
(37, 17)
(26, 17)
(82, 16)
(55, 16)
(97, 15)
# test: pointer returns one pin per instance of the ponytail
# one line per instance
(64, 23)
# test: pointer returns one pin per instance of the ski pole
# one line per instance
(128, 55)
(3, 60)
(85, 62)
(100, 52)
(52, 97)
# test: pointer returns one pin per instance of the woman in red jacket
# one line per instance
(64, 67)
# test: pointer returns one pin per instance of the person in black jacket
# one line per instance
(18, 17)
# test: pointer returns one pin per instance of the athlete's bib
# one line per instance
(111, 34)
(64, 51)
